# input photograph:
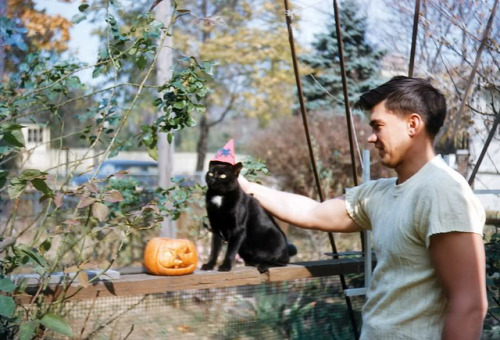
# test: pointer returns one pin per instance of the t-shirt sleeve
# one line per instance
(355, 201)
(454, 208)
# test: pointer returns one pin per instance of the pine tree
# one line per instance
(361, 59)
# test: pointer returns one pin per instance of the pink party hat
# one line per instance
(226, 154)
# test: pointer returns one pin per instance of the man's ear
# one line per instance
(415, 124)
(237, 168)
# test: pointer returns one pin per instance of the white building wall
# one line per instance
(52, 160)
(488, 176)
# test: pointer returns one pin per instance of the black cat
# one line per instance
(240, 220)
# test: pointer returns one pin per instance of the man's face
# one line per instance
(389, 135)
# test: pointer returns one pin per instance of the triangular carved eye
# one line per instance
(210, 174)
(223, 176)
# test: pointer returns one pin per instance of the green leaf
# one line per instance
(77, 18)
(83, 7)
(7, 306)
(45, 246)
(41, 186)
(3, 177)
(16, 187)
(33, 254)
(27, 329)
(116, 4)
(170, 137)
(13, 138)
(141, 62)
(153, 152)
(6, 285)
(57, 324)
(191, 122)
(31, 174)
(180, 104)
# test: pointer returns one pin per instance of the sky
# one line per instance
(314, 15)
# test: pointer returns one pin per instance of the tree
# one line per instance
(31, 30)
(253, 76)
(361, 60)
(76, 225)
(450, 35)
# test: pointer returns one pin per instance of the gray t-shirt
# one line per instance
(405, 300)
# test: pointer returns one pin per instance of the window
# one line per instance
(35, 135)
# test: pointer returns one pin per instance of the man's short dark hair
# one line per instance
(405, 95)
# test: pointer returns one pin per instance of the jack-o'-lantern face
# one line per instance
(166, 256)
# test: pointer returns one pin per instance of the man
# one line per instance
(429, 282)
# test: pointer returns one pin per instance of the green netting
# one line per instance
(297, 309)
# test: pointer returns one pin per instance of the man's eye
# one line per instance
(210, 174)
(223, 176)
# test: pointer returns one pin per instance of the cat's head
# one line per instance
(223, 177)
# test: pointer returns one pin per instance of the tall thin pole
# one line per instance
(485, 148)
(416, 17)
(340, 46)
(301, 101)
(311, 153)
(470, 81)
(3, 13)
(165, 149)
(348, 115)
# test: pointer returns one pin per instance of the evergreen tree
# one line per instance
(361, 60)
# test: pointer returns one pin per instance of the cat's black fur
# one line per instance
(239, 219)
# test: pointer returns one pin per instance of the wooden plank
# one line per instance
(139, 284)
(310, 269)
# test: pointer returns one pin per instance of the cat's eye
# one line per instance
(210, 174)
(223, 176)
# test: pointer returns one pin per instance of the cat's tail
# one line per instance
(292, 250)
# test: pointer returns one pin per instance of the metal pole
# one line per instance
(345, 90)
(485, 148)
(165, 150)
(301, 100)
(470, 81)
(414, 38)
(304, 114)
(366, 233)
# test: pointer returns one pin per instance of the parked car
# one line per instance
(145, 172)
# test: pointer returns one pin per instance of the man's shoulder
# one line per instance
(443, 175)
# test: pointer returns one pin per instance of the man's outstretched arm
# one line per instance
(330, 215)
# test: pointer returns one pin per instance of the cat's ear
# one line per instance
(237, 168)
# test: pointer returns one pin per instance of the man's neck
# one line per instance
(414, 161)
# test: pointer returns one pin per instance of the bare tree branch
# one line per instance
(228, 108)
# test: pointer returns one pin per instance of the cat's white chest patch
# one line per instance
(217, 201)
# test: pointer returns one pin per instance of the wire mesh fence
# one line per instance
(312, 308)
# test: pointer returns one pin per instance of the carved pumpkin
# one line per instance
(168, 256)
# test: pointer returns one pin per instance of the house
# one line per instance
(40, 155)
(487, 180)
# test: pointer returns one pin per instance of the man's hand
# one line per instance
(244, 184)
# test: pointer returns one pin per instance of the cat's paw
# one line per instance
(207, 266)
(262, 268)
(224, 268)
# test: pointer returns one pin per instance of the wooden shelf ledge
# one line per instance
(142, 283)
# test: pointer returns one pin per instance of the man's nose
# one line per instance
(372, 138)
